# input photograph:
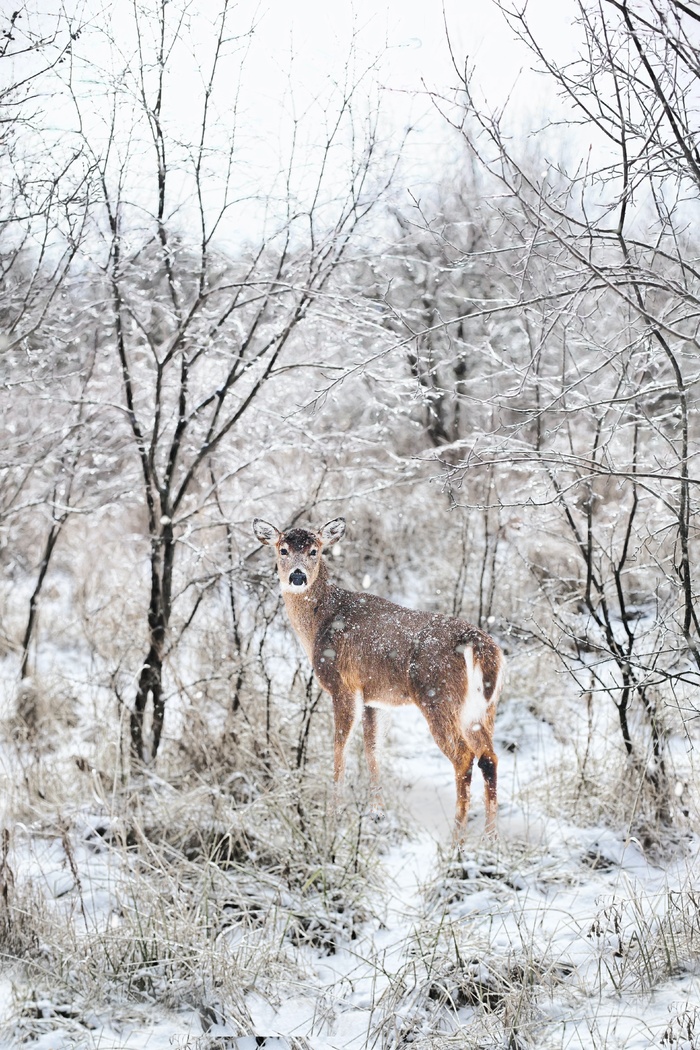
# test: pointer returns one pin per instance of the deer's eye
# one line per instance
(284, 552)
(313, 553)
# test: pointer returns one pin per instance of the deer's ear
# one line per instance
(332, 531)
(265, 532)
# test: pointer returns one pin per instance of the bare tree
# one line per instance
(193, 333)
(602, 356)
(42, 219)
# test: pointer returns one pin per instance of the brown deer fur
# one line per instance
(370, 653)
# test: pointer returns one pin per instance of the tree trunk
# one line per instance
(51, 539)
(150, 683)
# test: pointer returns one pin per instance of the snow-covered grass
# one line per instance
(221, 906)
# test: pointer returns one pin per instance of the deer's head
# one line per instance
(299, 551)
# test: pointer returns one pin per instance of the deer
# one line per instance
(369, 653)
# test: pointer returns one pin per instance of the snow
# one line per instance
(571, 924)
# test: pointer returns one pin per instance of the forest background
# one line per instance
(248, 269)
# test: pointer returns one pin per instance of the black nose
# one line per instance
(297, 578)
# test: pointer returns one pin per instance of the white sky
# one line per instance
(297, 60)
(417, 54)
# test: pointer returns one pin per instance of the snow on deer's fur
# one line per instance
(370, 653)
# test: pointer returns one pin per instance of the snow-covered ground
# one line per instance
(561, 935)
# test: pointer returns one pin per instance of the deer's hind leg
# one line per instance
(488, 764)
(463, 762)
(463, 765)
(450, 739)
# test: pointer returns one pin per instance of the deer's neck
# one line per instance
(309, 610)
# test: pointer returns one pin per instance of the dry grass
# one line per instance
(180, 897)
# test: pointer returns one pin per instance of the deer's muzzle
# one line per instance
(297, 578)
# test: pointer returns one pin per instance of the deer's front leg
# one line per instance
(370, 717)
(344, 716)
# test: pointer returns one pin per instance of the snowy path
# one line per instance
(354, 980)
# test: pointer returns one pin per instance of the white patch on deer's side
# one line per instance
(474, 707)
(476, 727)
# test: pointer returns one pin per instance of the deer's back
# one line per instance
(395, 655)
